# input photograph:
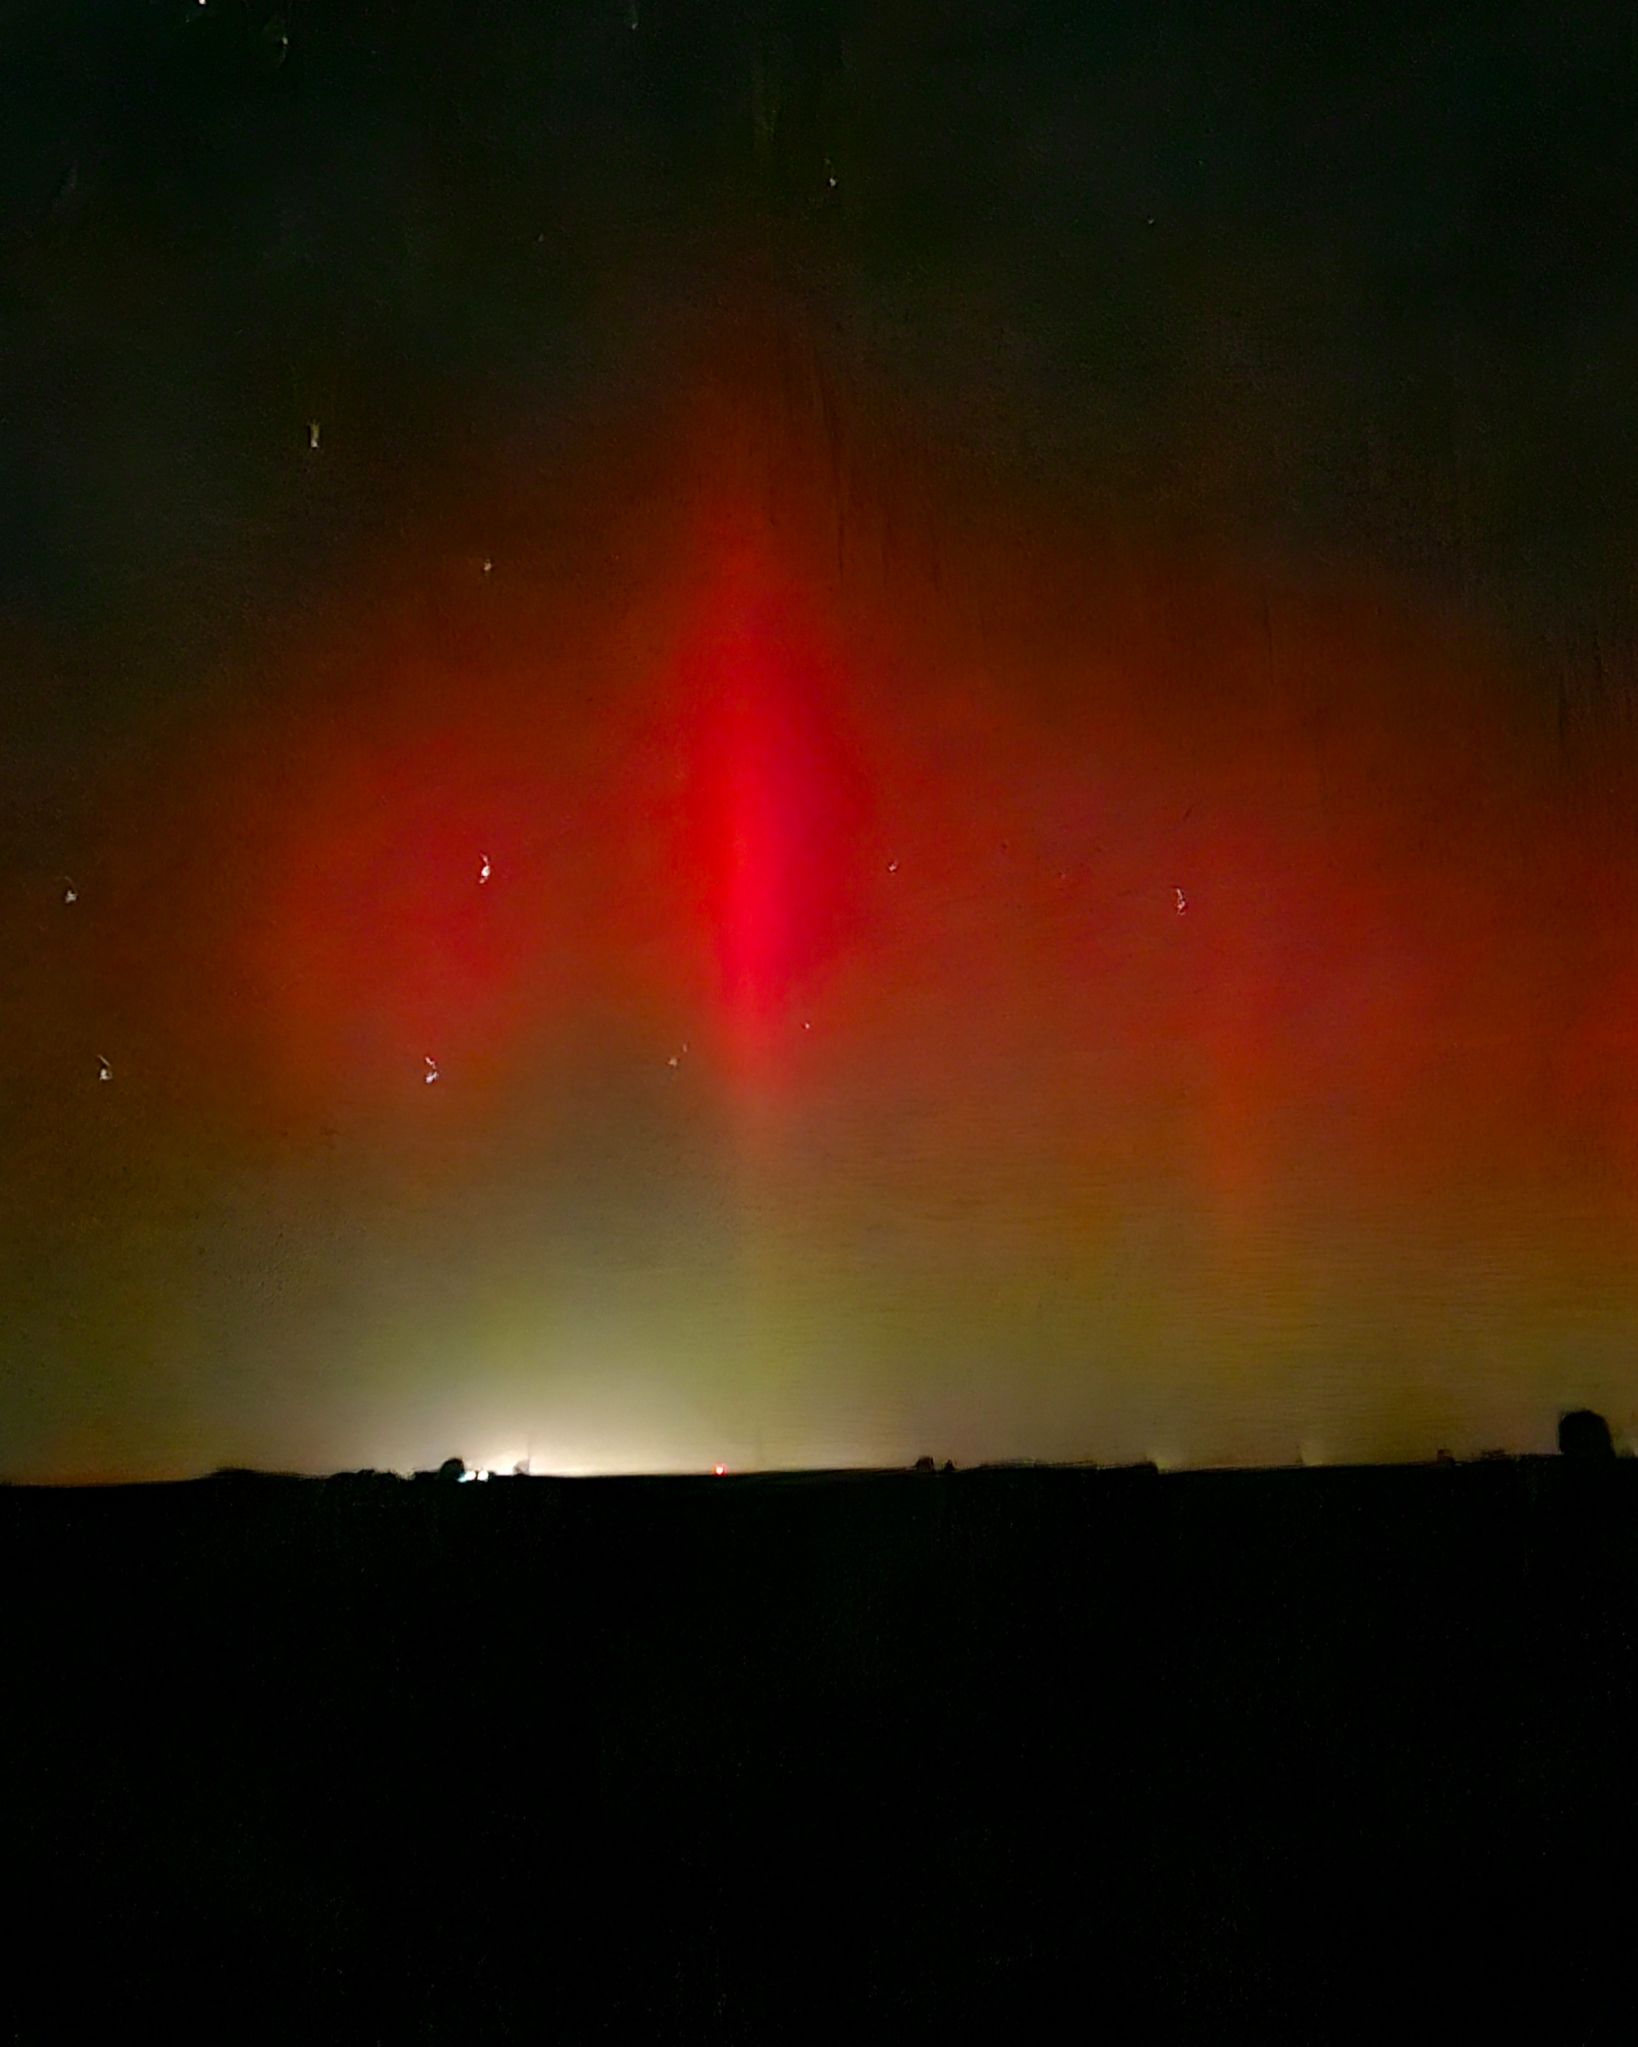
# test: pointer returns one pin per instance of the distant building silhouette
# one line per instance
(1584, 1434)
(925, 1464)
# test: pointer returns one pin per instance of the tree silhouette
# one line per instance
(1584, 1433)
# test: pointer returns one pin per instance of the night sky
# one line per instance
(795, 734)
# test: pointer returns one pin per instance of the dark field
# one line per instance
(1016, 1753)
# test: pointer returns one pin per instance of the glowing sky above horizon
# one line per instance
(745, 928)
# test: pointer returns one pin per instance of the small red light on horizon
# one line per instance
(719, 1471)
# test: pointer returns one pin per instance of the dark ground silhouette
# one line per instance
(1283, 1755)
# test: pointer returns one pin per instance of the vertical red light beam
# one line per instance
(776, 807)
